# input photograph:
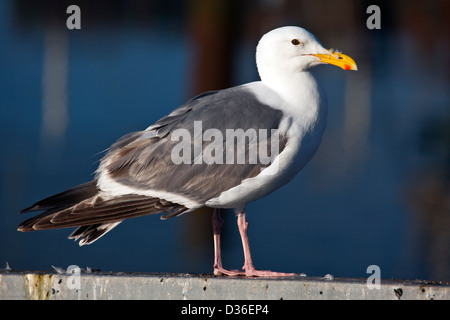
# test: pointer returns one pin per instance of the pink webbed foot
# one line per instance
(252, 272)
(220, 271)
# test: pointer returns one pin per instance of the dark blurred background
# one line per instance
(377, 192)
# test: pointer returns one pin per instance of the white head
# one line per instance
(293, 49)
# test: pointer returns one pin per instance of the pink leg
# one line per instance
(249, 268)
(217, 223)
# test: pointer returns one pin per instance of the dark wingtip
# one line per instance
(34, 207)
(68, 197)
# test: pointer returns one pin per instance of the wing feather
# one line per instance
(144, 162)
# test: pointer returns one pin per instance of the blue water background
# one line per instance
(376, 193)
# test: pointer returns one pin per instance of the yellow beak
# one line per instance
(338, 59)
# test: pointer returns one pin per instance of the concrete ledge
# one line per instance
(91, 286)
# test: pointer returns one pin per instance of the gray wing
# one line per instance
(143, 159)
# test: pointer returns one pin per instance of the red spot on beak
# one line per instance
(347, 67)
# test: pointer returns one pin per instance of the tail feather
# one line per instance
(89, 234)
(85, 207)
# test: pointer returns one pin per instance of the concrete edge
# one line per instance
(135, 286)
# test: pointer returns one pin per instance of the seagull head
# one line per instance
(294, 49)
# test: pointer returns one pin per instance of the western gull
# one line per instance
(212, 151)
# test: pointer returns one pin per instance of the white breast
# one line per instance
(303, 123)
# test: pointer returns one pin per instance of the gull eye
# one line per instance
(295, 42)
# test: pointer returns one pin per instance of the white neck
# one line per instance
(302, 94)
